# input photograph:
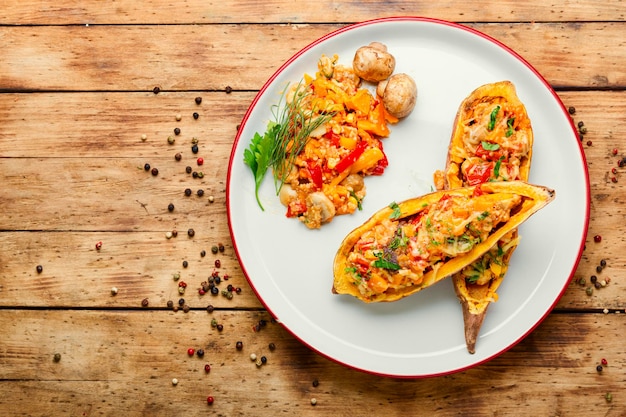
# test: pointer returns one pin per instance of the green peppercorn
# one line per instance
(171, 140)
(608, 397)
(582, 281)
(583, 130)
(176, 276)
(589, 290)
(214, 249)
(201, 175)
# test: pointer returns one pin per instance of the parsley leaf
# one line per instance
(396, 210)
(385, 263)
(492, 118)
(258, 156)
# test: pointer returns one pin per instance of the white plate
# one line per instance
(290, 267)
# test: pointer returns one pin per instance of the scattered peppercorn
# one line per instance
(608, 397)
(194, 174)
(220, 327)
(181, 301)
(571, 110)
(263, 360)
(209, 400)
(604, 361)
(200, 353)
(597, 238)
(170, 304)
(191, 232)
(144, 137)
(272, 346)
(200, 161)
(598, 269)
(178, 156)
(211, 199)
(146, 167)
(599, 368)
(203, 253)
(215, 291)
(174, 233)
(313, 401)
(589, 290)
(155, 172)
(194, 148)
(583, 130)
(253, 357)
(220, 246)
(228, 89)
(200, 174)
(187, 192)
(191, 351)
(171, 140)
(581, 124)
(188, 169)
(613, 171)
(170, 207)
(174, 381)
(156, 90)
(176, 276)
(39, 269)
(593, 279)
(196, 115)
(315, 382)
(210, 308)
(144, 302)
(200, 192)
(198, 100)
(185, 264)
(239, 345)
(98, 245)
(177, 131)
(214, 249)
(57, 357)
(614, 179)
(589, 143)
(207, 368)
(614, 151)
(218, 263)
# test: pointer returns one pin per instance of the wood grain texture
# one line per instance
(76, 82)
(282, 11)
(213, 57)
(127, 360)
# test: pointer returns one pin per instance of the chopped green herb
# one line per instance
(496, 168)
(510, 130)
(488, 146)
(383, 263)
(396, 210)
(358, 200)
(492, 118)
(483, 216)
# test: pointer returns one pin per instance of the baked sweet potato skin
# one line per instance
(475, 297)
(533, 198)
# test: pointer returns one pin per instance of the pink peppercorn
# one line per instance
(200, 161)
(207, 368)
(615, 151)
(597, 238)
(191, 351)
(604, 362)
(209, 400)
(98, 245)
(182, 284)
(201, 291)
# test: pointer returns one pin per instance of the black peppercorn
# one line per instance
(181, 301)
(571, 110)
(215, 291)
(196, 115)
(228, 89)
(210, 308)
(57, 357)
(194, 174)
(220, 247)
(146, 167)
(191, 232)
(188, 169)
(272, 346)
(187, 192)
(220, 327)
(177, 131)
(170, 207)
(39, 269)
(593, 279)
(155, 172)
(170, 304)
(178, 156)
(200, 353)
(239, 345)
(603, 263)
(203, 253)
(263, 360)
(156, 90)
(144, 302)
(194, 148)
(185, 264)
(598, 269)
(198, 100)
(200, 192)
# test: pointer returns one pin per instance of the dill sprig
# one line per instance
(296, 123)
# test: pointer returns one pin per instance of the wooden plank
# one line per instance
(123, 363)
(271, 11)
(212, 57)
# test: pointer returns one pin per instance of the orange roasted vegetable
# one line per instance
(409, 246)
(492, 140)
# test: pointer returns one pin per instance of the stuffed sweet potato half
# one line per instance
(409, 246)
(492, 140)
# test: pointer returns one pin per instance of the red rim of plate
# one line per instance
(439, 22)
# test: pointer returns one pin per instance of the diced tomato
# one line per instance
(478, 191)
(333, 137)
(477, 174)
(487, 155)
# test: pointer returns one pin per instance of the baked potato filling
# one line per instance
(495, 141)
(397, 252)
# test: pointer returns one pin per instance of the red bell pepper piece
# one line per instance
(351, 158)
(315, 172)
(477, 174)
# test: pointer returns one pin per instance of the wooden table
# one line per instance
(79, 118)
